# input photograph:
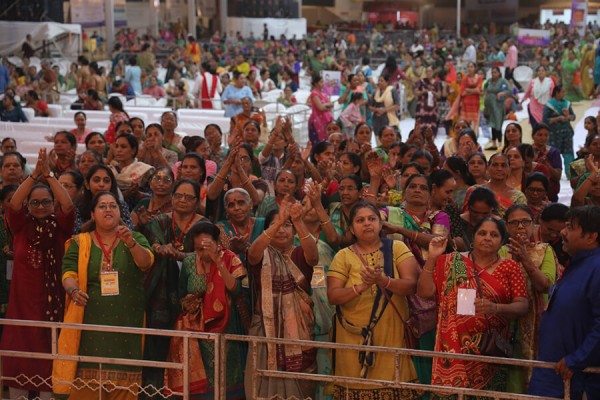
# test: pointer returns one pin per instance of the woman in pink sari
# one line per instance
(321, 112)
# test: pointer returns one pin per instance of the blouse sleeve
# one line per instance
(441, 224)
(339, 267)
(184, 275)
(400, 251)
(549, 267)
(15, 219)
(70, 259)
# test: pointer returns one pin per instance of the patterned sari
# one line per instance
(463, 334)
(207, 307)
(527, 329)
(517, 197)
(283, 279)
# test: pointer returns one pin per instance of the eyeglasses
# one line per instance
(523, 222)
(43, 203)
(107, 206)
(183, 196)
(159, 178)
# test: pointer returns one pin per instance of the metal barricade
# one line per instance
(220, 371)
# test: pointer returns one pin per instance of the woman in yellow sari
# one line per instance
(588, 59)
(538, 265)
(363, 280)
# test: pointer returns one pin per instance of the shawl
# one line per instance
(541, 90)
(387, 99)
(64, 371)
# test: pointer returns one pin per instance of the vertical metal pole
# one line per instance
(191, 22)
(186, 367)
(568, 389)
(54, 341)
(458, 18)
(253, 370)
(223, 368)
(109, 20)
(397, 367)
(217, 367)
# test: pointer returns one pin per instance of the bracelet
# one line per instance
(416, 235)
(389, 281)
(305, 237)
(217, 176)
(267, 235)
(246, 182)
(428, 271)
(132, 246)
(34, 179)
(369, 195)
(328, 220)
(355, 291)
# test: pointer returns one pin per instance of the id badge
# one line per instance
(465, 301)
(245, 283)
(318, 278)
(109, 283)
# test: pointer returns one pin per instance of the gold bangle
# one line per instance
(325, 222)
(246, 182)
(388, 283)
(416, 235)
(267, 235)
(305, 237)
(428, 271)
(355, 291)
(217, 176)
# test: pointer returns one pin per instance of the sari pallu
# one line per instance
(463, 334)
(284, 310)
(527, 327)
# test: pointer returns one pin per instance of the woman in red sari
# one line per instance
(470, 93)
(500, 295)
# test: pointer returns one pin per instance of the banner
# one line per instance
(88, 13)
(579, 10)
(120, 13)
(533, 37)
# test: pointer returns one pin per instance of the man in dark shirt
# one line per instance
(570, 326)
(27, 48)
(552, 222)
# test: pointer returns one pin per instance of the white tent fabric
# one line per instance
(12, 36)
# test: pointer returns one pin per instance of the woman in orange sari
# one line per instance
(470, 93)
(499, 295)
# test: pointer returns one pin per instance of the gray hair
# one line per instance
(241, 191)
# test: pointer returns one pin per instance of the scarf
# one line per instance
(387, 99)
(205, 101)
(541, 90)
(63, 371)
(558, 105)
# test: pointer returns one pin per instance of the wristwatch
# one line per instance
(50, 175)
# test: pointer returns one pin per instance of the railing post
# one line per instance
(254, 354)
(186, 367)
(217, 367)
(223, 367)
(567, 389)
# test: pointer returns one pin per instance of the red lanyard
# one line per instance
(179, 239)
(107, 253)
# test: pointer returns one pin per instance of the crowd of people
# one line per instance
(401, 245)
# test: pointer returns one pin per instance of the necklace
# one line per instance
(178, 242)
(107, 253)
(157, 210)
(485, 267)
(237, 233)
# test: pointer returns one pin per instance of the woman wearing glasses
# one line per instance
(171, 242)
(539, 267)
(103, 270)
(40, 231)
(160, 202)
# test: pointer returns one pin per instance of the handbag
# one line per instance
(493, 343)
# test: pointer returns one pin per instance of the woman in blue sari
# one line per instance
(558, 115)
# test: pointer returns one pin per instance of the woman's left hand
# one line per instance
(296, 211)
(484, 306)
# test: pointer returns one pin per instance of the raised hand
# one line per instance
(314, 193)
(437, 246)
(374, 164)
(296, 212)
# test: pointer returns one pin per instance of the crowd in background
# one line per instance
(402, 244)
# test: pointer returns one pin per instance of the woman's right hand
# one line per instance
(590, 165)
(437, 246)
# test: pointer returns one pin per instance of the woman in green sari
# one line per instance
(327, 237)
(285, 186)
(92, 261)
(210, 280)
(539, 267)
(350, 190)
(558, 115)
(571, 76)
(171, 242)
(240, 230)
(496, 90)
